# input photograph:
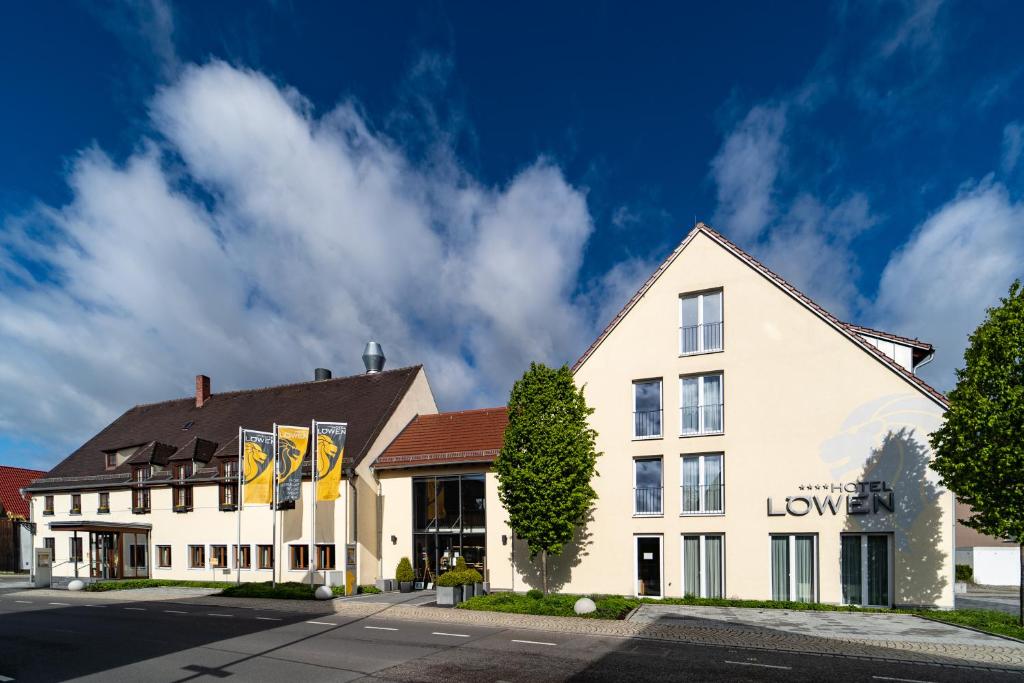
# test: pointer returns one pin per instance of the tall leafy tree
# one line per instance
(979, 450)
(547, 461)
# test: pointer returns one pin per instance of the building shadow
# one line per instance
(916, 522)
(559, 566)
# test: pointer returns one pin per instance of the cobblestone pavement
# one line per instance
(878, 636)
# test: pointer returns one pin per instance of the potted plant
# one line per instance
(405, 575)
(449, 589)
(478, 581)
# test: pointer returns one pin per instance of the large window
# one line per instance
(703, 485)
(48, 505)
(229, 487)
(163, 556)
(243, 557)
(265, 556)
(76, 503)
(104, 504)
(325, 556)
(701, 401)
(794, 568)
(299, 556)
(218, 556)
(702, 566)
(449, 520)
(647, 409)
(700, 323)
(865, 571)
(75, 549)
(647, 486)
(197, 557)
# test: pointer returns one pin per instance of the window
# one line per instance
(182, 494)
(75, 549)
(702, 566)
(700, 323)
(647, 486)
(76, 504)
(229, 487)
(140, 501)
(218, 556)
(299, 556)
(703, 488)
(701, 402)
(197, 557)
(265, 556)
(325, 556)
(449, 521)
(243, 557)
(48, 505)
(864, 567)
(136, 556)
(648, 566)
(51, 543)
(647, 409)
(104, 504)
(794, 569)
(163, 556)
(142, 472)
(111, 461)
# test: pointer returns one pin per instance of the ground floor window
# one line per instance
(163, 556)
(449, 521)
(197, 557)
(75, 549)
(325, 556)
(243, 557)
(648, 566)
(702, 565)
(218, 556)
(51, 543)
(265, 556)
(794, 568)
(136, 556)
(299, 556)
(864, 568)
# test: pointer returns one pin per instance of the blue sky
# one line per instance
(253, 189)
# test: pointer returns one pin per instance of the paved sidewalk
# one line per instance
(870, 636)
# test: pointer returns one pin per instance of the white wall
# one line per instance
(997, 566)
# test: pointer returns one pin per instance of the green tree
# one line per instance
(547, 461)
(979, 450)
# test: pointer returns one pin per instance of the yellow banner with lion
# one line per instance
(330, 451)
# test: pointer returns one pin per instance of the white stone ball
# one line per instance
(76, 585)
(324, 593)
(585, 606)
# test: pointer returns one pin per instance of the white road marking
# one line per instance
(321, 623)
(532, 642)
(24, 602)
(269, 618)
(904, 680)
(380, 628)
(136, 609)
(215, 614)
(59, 603)
(4, 679)
(453, 635)
(93, 605)
(766, 666)
(174, 611)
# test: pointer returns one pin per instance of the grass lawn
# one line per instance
(289, 590)
(129, 584)
(991, 621)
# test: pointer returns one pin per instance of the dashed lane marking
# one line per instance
(136, 609)
(216, 614)
(24, 602)
(321, 623)
(532, 642)
(174, 611)
(65, 604)
(269, 618)
(765, 666)
(453, 635)
(903, 680)
(380, 628)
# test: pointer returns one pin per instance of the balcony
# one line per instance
(647, 501)
(706, 419)
(703, 500)
(647, 424)
(704, 338)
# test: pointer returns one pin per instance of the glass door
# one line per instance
(648, 566)
(865, 570)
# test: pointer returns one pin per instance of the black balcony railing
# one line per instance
(647, 501)
(701, 338)
(646, 424)
(702, 500)
(706, 419)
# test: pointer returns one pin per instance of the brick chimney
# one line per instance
(202, 390)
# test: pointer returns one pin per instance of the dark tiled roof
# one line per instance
(197, 450)
(847, 330)
(365, 401)
(155, 452)
(11, 480)
(447, 438)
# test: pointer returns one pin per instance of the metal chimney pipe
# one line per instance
(320, 374)
(373, 357)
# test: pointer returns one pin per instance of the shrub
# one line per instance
(404, 571)
(965, 572)
(289, 590)
(473, 576)
(131, 584)
(534, 594)
(450, 579)
(368, 589)
(460, 564)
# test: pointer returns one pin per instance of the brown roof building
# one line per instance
(466, 436)
(12, 481)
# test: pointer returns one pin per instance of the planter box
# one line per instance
(449, 596)
(478, 588)
(405, 586)
(960, 587)
(382, 585)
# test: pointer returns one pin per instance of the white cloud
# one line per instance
(1013, 145)
(955, 265)
(254, 241)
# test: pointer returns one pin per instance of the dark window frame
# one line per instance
(326, 557)
(302, 551)
(265, 552)
(160, 550)
(47, 505)
(76, 504)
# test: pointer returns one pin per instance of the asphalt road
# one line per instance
(94, 639)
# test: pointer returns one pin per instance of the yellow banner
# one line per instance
(330, 451)
(291, 449)
(257, 467)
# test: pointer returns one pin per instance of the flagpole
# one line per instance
(273, 513)
(238, 510)
(312, 484)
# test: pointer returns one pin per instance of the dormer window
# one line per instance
(142, 473)
(182, 493)
(111, 461)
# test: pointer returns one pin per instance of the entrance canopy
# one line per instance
(87, 525)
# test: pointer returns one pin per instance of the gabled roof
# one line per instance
(365, 402)
(467, 436)
(11, 480)
(154, 452)
(847, 330)
(906, 341)
(196, 450)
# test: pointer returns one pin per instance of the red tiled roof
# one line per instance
(847, 330)
(906, 341)
(12, 479)
(447, 438)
